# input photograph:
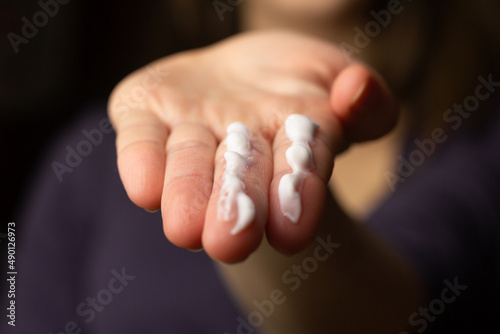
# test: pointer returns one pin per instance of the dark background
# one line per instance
(73, 61)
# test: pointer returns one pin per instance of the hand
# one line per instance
(171, 119)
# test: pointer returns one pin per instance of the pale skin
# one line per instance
(170, 149)
(170, 156)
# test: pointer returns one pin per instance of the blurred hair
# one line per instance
(186, 24)
(451, 43)
(431, 54)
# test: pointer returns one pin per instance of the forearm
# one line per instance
(346, 281)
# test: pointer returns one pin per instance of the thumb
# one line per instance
(363, 103)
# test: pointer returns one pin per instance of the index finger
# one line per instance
(283, 232)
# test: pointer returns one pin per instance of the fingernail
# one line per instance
(357, 97)
(152, 211)
(359, 101)
(372, 111)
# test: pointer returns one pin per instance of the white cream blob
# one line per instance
(233, 202)
(300, 130)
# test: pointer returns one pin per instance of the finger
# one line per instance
(140, 145)
(363, 103)
(282, 232)
(188, 183)
(221, 240)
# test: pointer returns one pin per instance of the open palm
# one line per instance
(170, 133)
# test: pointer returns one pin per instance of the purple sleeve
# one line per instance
(444, 219)
(92, 262)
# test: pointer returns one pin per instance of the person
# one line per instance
(426, 258)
